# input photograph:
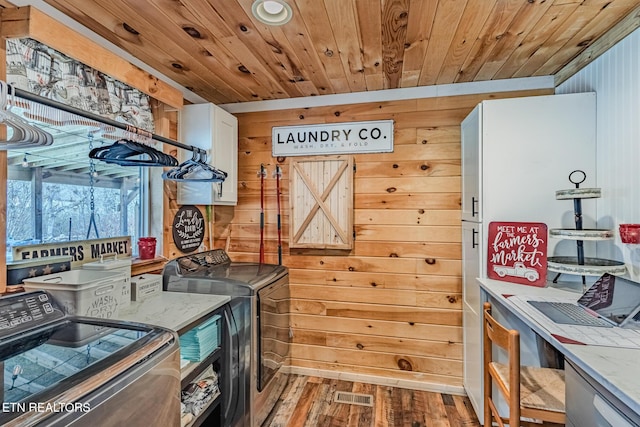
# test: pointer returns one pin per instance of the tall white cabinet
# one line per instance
(515, 154)
(209, 127)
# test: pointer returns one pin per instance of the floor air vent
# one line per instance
(354, 398)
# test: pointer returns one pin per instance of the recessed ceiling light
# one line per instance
(272, 12)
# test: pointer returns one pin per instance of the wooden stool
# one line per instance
(534, 393)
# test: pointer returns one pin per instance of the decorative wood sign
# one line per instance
(80, 251)
(333, 138)
(321, 202)
(600, 294)
(20, 270)
(188, 228)
(517, 252)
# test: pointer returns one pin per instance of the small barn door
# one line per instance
(321, 202)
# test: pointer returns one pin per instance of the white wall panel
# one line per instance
(615, 77)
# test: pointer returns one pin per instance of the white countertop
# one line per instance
(616, 369)
(172, 310)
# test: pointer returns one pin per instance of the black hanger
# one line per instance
(130, 153)
(195, 169)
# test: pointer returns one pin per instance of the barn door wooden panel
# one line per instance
(321, 199)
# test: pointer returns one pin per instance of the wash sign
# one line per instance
(333, 138)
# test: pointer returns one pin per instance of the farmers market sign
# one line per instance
(333, 138)
(80, 251)
(517, 252)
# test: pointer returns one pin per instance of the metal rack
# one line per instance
(581, 265)
(20, 93)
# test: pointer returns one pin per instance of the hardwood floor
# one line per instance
(309, 402)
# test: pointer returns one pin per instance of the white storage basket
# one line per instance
(115, 266)
(82, 292)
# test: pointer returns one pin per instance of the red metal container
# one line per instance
(147, 247)
(630, 233)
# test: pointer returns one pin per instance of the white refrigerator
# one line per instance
(515, 154)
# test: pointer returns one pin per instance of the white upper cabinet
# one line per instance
(209, 127)
(517, 152)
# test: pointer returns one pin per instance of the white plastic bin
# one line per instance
(115, 266)
(82, 292)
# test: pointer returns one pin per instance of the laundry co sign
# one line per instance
(333, 138)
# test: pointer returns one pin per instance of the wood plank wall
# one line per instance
(391, 307)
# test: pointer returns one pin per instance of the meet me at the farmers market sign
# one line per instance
(333, 138)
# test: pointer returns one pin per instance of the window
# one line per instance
(50, 188)
(20, 212)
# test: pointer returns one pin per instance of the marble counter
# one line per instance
(616, 369)
(172, 310)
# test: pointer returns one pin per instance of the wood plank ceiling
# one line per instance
(221, 52)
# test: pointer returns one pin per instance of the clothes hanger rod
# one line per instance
(124, 126)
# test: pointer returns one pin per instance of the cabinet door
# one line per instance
(588, 404)
(225, 155)
(321, 202)
(472, 314)
(471, 131)
(209, 127)
(472, 357)
(471, 258)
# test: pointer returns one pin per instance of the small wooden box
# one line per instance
(145, 286)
